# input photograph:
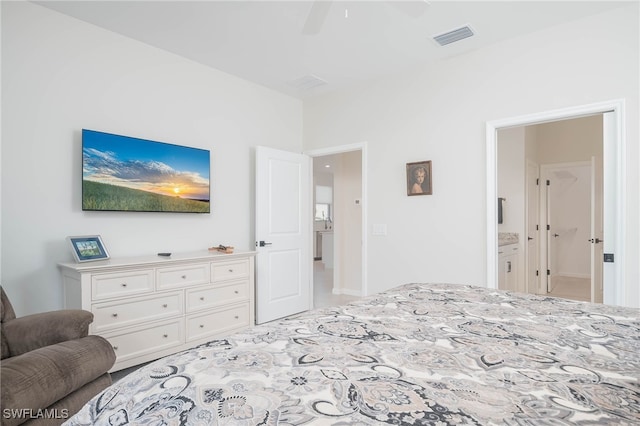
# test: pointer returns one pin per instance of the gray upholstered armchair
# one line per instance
(50, 367)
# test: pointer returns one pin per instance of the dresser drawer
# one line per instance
(133, 311)
(210, 297)
(218, 322)
(182, 276)
(119, 284)
(146, 340)
(230, 269)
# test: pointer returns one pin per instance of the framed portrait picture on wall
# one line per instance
(419, 180)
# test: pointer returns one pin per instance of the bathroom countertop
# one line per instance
(505, 238)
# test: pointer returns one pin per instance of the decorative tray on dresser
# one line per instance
(152, 306)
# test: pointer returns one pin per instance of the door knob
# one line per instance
(529, 238)
(263, 243)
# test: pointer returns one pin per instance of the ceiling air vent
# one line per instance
(453, 35)
(307, 82)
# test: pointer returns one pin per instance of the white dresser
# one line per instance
(149, 307)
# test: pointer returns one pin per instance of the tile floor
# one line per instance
(323, 288)
(571, 288)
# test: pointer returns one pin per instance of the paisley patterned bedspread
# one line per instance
(420, 354)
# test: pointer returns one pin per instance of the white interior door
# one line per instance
(569, 204)
(551, 240)
(283, 215)
(533, 219)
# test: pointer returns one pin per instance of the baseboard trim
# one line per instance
(346, 292)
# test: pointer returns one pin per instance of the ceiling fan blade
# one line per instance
(412, 8)
(317, 15)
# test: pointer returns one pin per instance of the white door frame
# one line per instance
(362, 147)
(615, 295)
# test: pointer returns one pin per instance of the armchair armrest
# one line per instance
(35, 331)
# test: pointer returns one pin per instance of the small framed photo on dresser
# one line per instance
(87, 248)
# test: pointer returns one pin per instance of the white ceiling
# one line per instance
(265, 41)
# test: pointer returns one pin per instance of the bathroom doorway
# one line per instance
(610, 263)
(547, 172)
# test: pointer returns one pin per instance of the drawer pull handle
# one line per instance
(184, 277)
(165, 305)
(236, 317)
(114, 315)
(202, 298)
(123, 284)
(201, 325)
(235, 291)
(230, 270)
(115, 348)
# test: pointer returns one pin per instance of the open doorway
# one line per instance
(338, 225)
(546, 173)
(613, 171)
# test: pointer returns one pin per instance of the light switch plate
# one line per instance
(379, 229)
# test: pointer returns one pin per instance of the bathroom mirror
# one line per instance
(323, 211)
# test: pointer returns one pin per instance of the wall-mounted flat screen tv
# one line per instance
(122, 173)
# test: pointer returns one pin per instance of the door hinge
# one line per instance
(548, 182)
(537, 181)
(548, 272)
(537, 273)
(537, 228)
(548, 227)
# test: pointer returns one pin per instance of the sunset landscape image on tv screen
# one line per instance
(121, 173)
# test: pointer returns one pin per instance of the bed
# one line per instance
(434, 354)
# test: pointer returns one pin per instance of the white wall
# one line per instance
(511, 179)
(348, 224)
(511, 186)
(569, 140)
(439, 113)
(60, 75)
